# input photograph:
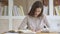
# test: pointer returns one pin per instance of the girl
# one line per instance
(35, 20)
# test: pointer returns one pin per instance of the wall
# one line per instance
(4, 25)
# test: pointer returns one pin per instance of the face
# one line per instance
(37, 11)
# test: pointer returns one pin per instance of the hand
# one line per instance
(38, 31)
(35, 30)
(32, 30)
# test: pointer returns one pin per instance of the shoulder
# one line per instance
(44, 16)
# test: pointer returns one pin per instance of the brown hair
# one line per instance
(37, 4)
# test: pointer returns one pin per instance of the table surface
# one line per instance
(31, 33)
(47, 33)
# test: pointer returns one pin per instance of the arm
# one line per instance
(23, 25)
(45, 25)
(46, 21)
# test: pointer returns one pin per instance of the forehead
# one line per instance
(38, 9)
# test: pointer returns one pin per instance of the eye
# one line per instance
(38, 11)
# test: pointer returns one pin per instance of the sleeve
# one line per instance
(46, 22)
(23, 25)
(46, 25)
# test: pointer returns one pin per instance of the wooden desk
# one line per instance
(18, 33)
(47, 33)
(31, 33)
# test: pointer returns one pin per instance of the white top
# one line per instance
(34, 23)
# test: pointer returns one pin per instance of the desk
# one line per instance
(19, 33)
(47, 33)
(31, 33)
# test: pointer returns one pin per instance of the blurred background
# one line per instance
(12, 12)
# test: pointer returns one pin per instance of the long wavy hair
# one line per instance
(36, 5)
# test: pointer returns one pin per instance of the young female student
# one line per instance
(35, 20)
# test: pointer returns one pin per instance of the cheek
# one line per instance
(38, 11)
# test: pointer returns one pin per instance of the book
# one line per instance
(21, 12)
(5, 10)
(15, 10)
(1, 9)
(18, 11)
(57, 8)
